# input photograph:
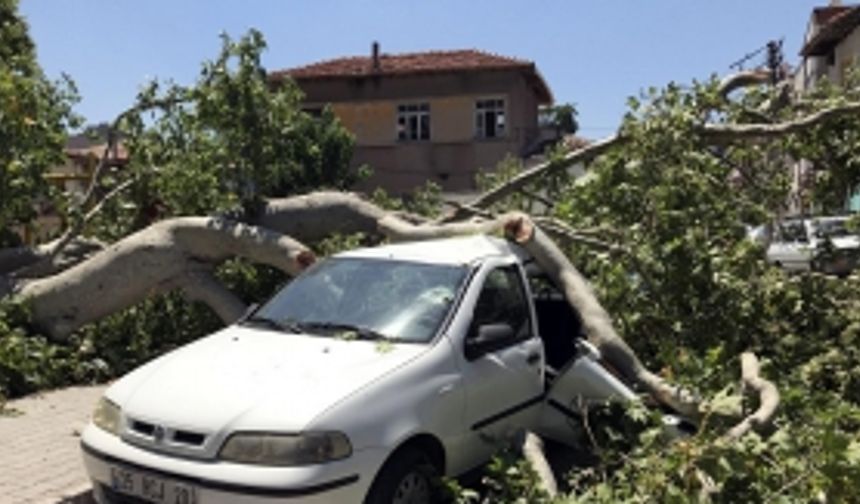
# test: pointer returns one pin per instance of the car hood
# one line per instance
(252, 379)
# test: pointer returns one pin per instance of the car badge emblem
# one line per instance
(158, 433)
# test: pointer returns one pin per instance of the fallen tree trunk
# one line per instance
(596, 321)
(154, 260)
(180, 253)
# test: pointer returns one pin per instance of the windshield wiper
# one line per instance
(278, 325)
(363, 333)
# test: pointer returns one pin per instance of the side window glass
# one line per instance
(503, 300)
(793, 232)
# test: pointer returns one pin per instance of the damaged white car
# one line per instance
(364, 378)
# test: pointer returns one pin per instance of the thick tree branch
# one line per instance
(726, 133)
(561, 232)
(533, 451)
(739, 80)
(315, 216)
(526, 177)
(148, 262)
(596, 321)
(203, 286)
(33, 262)
(768, 397)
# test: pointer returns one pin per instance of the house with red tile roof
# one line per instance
(831, 45)
(831, 48)
(436, 116)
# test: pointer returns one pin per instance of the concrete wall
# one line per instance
(846, 56)
(452, 157)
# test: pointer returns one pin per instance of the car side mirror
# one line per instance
(488, 338)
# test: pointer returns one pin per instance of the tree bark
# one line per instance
(153, 260)
(727, 133)
(203, 286)
(744, 79)
(768, 396)
(33, 262)
(533, 452)
(596, 321)
(529, 176)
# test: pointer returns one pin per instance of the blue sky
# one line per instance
(594, 54)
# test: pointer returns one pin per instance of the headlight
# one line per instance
(107, 416)
(286, 449)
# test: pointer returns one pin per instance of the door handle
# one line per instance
(533, 358)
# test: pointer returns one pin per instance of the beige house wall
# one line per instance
(453, 155)
(845, 56)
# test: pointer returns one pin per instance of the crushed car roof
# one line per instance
(462, 250)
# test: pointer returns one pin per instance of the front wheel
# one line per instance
(408, 477)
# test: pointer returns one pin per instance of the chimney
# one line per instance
(836, 3)
(375, 56)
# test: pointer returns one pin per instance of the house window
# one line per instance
(490, 118)
(315, 112)
(413, 122)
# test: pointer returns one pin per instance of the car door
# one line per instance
(581, 383)
(793, 251)
(504, 380)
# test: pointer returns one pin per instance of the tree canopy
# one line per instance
(35, 115)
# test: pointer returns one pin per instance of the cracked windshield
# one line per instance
(401, 301)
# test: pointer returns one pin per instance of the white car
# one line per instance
(815, 244)
(361, 380)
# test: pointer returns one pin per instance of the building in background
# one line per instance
(83, 152)
(831, 45)
(437, 116)
(831, 48)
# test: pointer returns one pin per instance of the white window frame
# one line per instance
(497, 105)
(415, 114)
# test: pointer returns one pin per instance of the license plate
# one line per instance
(151, 488)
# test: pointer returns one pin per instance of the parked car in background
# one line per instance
(822, 244)
(365, 376)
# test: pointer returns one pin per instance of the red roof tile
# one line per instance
(824, 15)
(836, 22)
(467, 60)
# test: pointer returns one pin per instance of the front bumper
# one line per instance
(216, 482)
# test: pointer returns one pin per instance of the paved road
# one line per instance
(40, 460)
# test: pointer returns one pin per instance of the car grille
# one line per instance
(158, 433)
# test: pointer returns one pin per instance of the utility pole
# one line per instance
(775, 61)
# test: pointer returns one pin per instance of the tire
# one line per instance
(408, 477)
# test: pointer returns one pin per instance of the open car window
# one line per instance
(503, 300)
